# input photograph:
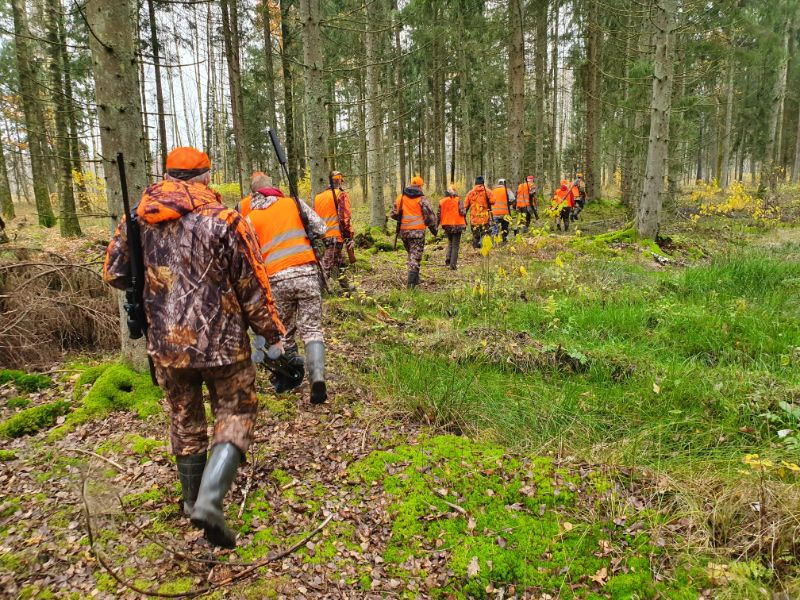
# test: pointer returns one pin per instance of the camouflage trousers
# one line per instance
(415, 246)
(299, 304)
(233, 403)
(333, 263)
(478, 231)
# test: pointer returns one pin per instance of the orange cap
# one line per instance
(417, 180)
(337, 176)
(187, 158)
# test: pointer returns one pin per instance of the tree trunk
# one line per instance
(401, 138)
(516, 79)
(540, 68)
(374, 115)
(316, 93)
(161, 113)
(69, 224)
(554, 172)
(727, 135)
(437, 95)
(119, 114)
(796, 166)
(288, 112)
(593, 116)
(230, 34)
(6, 203)
(769, 165)
(269, 79)
(649, 212)
(34, 117)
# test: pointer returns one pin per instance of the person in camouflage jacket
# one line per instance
(205, 284)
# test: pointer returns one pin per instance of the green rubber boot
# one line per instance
(217, 479)
(190, 473)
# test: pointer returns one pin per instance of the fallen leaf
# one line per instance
(601, 576)
(474, 567)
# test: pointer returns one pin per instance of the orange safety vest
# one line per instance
(523, 195)
(499, 201)
(564, 197)
(325, 207)
(449, 211)
(411, 219)
(280, 232)
(244, 205)
(576, 193)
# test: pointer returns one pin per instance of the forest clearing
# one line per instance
(418, 299)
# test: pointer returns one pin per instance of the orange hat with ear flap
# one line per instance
(186, 162)
(417, 181)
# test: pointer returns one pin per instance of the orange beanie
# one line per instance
(187, 162)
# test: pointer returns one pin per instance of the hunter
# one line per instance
(294, 277)
(451, 217)
(478, 205)
(413, 211)
(579, 193)
(258, 180)
(561, 205)
(502, 200)
(333, 206)
(527, 201)
(205, 284)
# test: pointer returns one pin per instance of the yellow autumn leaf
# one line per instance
(559, 262)
(656, 388)
(486, 245)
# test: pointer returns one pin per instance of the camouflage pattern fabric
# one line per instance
(299, 303)
(233, 402)
(448, 229)
(478, 232)
(414, 242)
(205, 281)
(332, 260)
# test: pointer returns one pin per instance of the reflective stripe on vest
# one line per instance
(412, 219)
(326, 208)
(280, 232)
(499, 202)
(523, 195)
(449, 211)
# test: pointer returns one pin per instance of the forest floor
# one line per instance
(571, 415)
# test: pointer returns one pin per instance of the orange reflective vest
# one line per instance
(564, 197)
(576, 193)
(411, 211)
(499, 201)
(448, 208)
(244, 205)
(325, 207)
(524, 195)
(280, 232)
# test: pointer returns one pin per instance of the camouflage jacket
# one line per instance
(205, 282)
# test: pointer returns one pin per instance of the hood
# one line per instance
(412, 191)
(169, 200)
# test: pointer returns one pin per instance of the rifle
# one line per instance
(276, 145)
(351, 254)
(134, 293)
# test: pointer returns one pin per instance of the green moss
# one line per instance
(116, 387)
(18, 402)
(154, 494)
(7, 455)
(142, 445)
(105, 583)
(176, 586)
(12, 561)
(281, 477)
(87, 377)
(521, 523)
(25, 382)
(31, 420)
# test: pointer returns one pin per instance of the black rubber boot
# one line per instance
(218, 476)
(410, 282)
(190, 473)
(315, 365)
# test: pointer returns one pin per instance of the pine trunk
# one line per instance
(554, 172)
(288, 100)
(401, 138)
(374, 115)
(316, 94)
(516, 78)
(69, 224)
(160, 112)
(593, 113)
(649, 212)
(769, 165)
(796, 166)
(540, 67)
(119, 114)
(269, 78)
(230, 34)
(727, 135)
(34, 117)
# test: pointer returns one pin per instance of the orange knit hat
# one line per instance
(417, 181)
(187, 162)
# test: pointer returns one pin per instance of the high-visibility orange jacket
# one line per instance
(499, 201)
(477, 203)
(451, 212)
(563, 197)
(325, 207)
(280, 232)
(525, 192)
(244, 205)
(411, 211)
(576, 193)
